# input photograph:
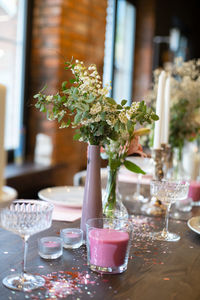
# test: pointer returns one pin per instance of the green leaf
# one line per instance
(76, 137)
(119, 106)
(64, 85)
(133, 167)
(77, 118)
(111, 100)
(36, 96)
(103, 115)
(68, 122)
(123, 102)
(130, 126)
(116, 127)
(72, 80)
(43, 108)
(55, 110)
(141, 105)
(90, 99)
(75, 91)
(114, 136)
(154, 117)
(37, 105)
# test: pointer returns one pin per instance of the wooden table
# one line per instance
(156, 270)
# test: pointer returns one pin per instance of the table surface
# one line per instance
(156, 270)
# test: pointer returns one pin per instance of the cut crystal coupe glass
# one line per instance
(168, 192)
(25, 218)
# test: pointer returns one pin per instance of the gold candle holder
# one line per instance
(167, 158)
(157, 155)
(155, 206)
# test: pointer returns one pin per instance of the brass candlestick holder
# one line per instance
(155, 206)
(157, 155)
(166, 158)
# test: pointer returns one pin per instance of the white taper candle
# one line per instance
(2, 128)
(159, 110)
(166, 115)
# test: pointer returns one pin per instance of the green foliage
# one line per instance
(82, 104)
(180, 127)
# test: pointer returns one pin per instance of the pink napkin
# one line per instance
(64, 213)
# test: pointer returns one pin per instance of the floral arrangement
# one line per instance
(82, 103)
(98, 119)
(184, 101)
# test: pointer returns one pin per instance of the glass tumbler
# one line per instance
(108, 244)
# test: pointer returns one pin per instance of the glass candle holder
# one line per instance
(108, 244)
(72, 237)
(50, 247)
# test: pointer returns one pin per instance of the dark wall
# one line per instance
(184, 15)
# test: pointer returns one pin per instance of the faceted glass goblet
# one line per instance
(25, 218)
(168, 192)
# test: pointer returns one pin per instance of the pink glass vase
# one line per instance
(92, 201)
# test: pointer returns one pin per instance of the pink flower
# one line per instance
(135, 147)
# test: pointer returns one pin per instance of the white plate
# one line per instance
(194, 224)
(71, 196)
(8, 195)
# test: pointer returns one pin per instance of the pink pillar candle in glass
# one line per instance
(194, 190)
(108, 244)
(108, 247)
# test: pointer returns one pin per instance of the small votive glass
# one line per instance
(72, 237)
(50, 247)
(108, 244)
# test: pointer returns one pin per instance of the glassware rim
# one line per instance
(58, 238)
(175, 181)
(49, 205)
(128, 222)
(71, 228)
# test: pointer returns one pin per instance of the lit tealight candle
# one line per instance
(50, 247)
(72, 237)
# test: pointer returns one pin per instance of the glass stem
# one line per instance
(165, 230)
(25, 240)
(139, 177)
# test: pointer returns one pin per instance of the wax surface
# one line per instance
(51, 244)
(194, 190)
(72, 235)
(108, 247)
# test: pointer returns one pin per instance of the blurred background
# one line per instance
(126, 39)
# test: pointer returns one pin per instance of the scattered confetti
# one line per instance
(64, 283)
(41, 267)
